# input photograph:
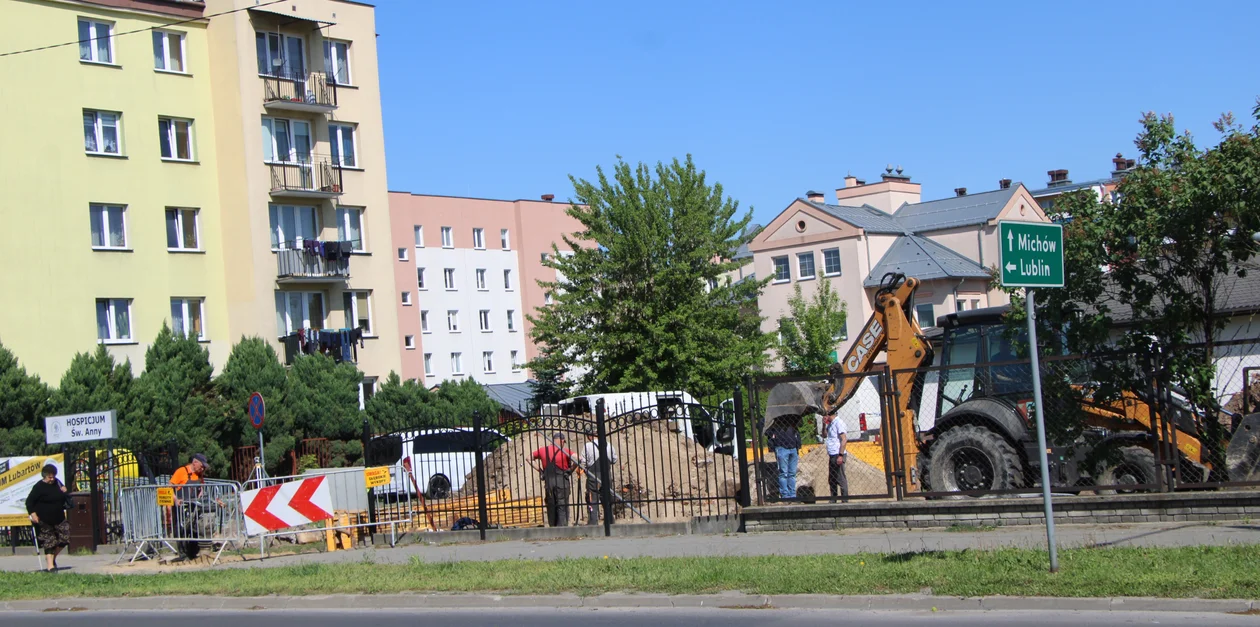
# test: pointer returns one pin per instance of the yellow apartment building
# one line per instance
(110, 170)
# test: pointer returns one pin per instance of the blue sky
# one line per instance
(506, 99)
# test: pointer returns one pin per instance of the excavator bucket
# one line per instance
(1242, 457)
(789, 401)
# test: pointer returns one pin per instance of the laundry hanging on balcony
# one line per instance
(339, 344)
(332, 251)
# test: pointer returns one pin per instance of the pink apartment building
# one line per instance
(466, 273)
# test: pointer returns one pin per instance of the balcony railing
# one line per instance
(313, 262)
(313, 91)
(339, 344)
(316, 176)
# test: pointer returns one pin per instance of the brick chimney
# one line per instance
(815, 197)
(852, 181)
(1004, 184)
(1058, 178)
(1121, 165)
(960, 191)
(548, 197)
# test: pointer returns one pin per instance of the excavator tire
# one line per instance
(1133, 465)
(972, 458)
(1242, 456)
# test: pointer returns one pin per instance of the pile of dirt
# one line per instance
(656, 463)
(1252, 394)
(864, 479)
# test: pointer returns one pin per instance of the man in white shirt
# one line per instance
(836, 439)
(590, 463)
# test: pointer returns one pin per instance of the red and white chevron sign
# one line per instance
(286, 505)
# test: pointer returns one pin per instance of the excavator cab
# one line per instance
(980, 339)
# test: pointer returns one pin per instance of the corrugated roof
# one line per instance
(1063, 189)
(1234, 295)
(949, 213)
(515, 396)
(292, 16)
(865, 217)
(925, 260)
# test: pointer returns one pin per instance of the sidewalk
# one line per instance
(737, 544)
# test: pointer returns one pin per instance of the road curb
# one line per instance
(726, 600)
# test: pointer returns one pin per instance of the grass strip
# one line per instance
(1186, 572)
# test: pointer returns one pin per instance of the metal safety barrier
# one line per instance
(186, 516)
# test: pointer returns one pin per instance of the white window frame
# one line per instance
(186, 305)
(507, 279)
(406, 299)
(344, 230)
(402, 254)
(172, 136)
(367, 389)
(420, 279)
(479, 238)
(94, 36)
(103, 210)
(301, 214)
(774, 268)
(457, 364)
(487, 362)
(165, 39)
(448, 237)
(516, 364)
(548, 299)
(511, 321)
(409, 342)
(283, 40)
(424, 321)
(932, 307)
(428, 365)
(305, 322)
(839, 263)
(800, 266)
(336, 143)
(480, 275)
(452, 321)
(483, 321)
(332, 64)
(419, 230)
(505, 239)
(293, 155)
(351, 298)
(98, 133)
(111, 315)
(181, 214)
(449, 280)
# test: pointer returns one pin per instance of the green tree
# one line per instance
(323, 397)
(94, 382)
(812, 331)
(642, 302)
(24, 401)
(253, 366)
(399, 405)
(459, 400)
(174, 399)
(551, 384)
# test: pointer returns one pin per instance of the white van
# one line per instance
(442, 458)
(712, 432)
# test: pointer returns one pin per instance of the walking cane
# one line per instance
(35, 534)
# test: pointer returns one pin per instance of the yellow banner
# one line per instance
(376, 476)
(166, 497)
(17, 476)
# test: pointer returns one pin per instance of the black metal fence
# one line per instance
(299, 89)
(621, 459)
(311, 174)
(1114, 424)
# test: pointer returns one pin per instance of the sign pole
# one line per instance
(1029, 296)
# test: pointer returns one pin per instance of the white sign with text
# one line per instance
(97, 425)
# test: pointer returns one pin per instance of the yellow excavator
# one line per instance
(983, 437)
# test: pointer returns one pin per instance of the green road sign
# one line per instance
(1032, 254)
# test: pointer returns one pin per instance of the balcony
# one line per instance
(313, 92)
(314, 177)
(313, 262)
(339, 344)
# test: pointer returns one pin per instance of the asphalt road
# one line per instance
(613, 618)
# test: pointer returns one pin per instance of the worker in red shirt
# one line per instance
(556, 465)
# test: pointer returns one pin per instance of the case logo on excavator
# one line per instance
(864, 346)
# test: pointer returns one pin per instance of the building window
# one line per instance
(447, 238)
(547, 299)
(483, 320)
(481, 279)
(479, 239)
(101, 132)
(406, 299)
(358, 310)
(409, 342)
(350, 228)
(516, 362)
(419, 236)
(181, 229)
(782, 273)
(959, 305)
(367, 389)
(109, 226)
(831, 262)
(96, 41)
(448, 278)
(424, 321)
(281, 55)
(337, 61)
(168, 51)
(975, 303)
(420, 278)
(428, 364)
(113, 319)
(511, 321)
(805, 265)
(341, 137)
(286, 141)
(452, 321)
(843, 334)
(176, 139)
(402, 254)
(299, 310)
(487, 362)
(290, 226)
(504, 240)
(925, 314)
(507, 279)
(457, 364)
(187, 315)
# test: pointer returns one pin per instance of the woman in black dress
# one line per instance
(46, 504)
